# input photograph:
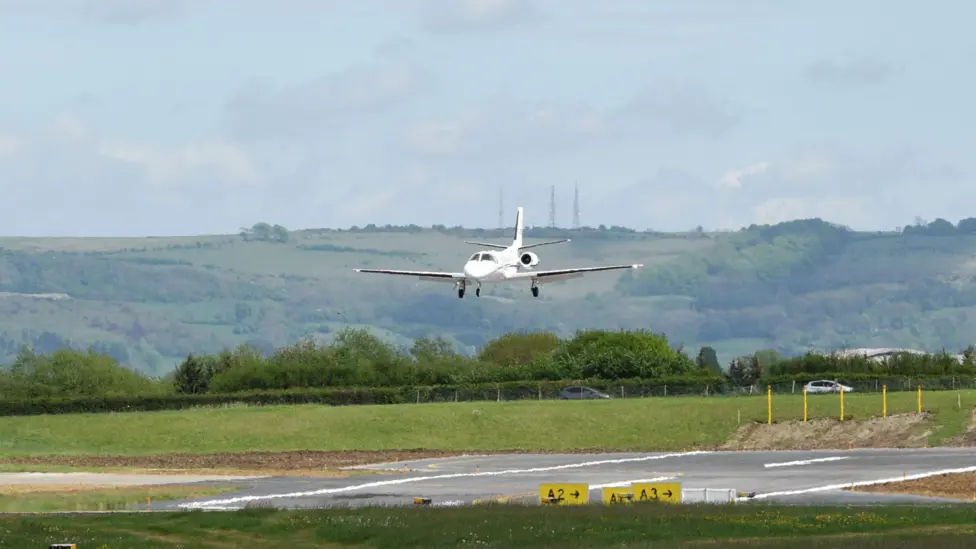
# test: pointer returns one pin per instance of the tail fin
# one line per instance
(517, 241)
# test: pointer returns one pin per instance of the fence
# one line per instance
(644, 389)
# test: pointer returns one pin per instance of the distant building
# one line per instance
(882, 353)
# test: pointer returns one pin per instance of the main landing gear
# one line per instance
(461, 287)
(535, 289)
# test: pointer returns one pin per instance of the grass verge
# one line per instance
(510, 526)
(640, 424)
(49, 498)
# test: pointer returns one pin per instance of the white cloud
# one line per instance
(854, 71)
(134, 11)
(734, 178)
(469, 15)
(222, 163)
(510, 128)
(321, 107)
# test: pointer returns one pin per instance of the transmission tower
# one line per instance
(576, 219)
(552, 206)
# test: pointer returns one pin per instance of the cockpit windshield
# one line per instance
(487, 257)
(475, 257)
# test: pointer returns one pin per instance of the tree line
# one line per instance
(358, 367)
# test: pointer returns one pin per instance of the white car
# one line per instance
(827, 386)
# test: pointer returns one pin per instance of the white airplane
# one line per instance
(509, 264)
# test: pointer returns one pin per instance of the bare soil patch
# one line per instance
(957, 485)
(895, 431)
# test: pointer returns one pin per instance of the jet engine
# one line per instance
(529, 259)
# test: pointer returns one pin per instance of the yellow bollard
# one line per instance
(884, 400)
(842, 404)
(920, 398)
(769, 404)
(804, 403)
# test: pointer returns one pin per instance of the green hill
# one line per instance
(794, 286)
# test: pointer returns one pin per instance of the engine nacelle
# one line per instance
(529, 259)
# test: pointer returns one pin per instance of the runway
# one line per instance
(800, 477)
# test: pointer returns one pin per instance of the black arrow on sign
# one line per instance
(575, 494)
(668, 493)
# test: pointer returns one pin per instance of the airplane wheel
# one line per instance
(460, 293)
(535, 291)
(477, 292)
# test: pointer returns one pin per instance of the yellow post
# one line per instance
(884, 400)
(842, 404)
(769, 404)
(920, 398)
(804, 402)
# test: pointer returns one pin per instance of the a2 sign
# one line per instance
(579, 494)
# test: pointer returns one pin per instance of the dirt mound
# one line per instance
(278, 461)
(895, 431)
(958, 486)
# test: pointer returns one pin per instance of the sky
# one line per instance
(178, 117)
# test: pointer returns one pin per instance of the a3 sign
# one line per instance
(579, 494)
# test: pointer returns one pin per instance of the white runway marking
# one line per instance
(804, 462)
(327, 491)
(830, 487)
(624, 483)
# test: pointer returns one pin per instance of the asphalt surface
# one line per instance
(800, 477)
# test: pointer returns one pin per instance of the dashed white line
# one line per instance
(624, 483)
(830, 487)
(327, 491)
(805, 461)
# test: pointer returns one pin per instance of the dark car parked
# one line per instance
(581, 393)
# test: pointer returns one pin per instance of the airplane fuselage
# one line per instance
(492, 266)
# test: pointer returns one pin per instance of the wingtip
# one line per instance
(637, 265)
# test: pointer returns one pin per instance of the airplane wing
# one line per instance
(556, 275)
(434, 276)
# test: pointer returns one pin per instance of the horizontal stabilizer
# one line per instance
(544, 244)
(486, 245)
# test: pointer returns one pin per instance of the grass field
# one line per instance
(639, 424)
(45, 499)
(654, 525)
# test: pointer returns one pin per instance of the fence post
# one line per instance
(793, 389)
(499, 394)
(665, 390)
(842, 404)
(622, 391)
(418, 396)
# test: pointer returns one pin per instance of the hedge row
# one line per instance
(517, 390)
(676, 386)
